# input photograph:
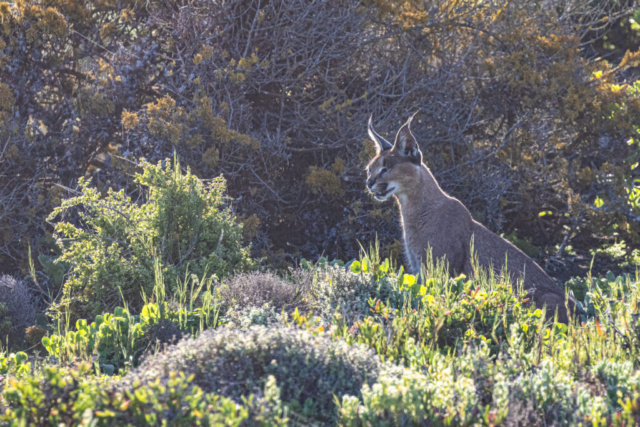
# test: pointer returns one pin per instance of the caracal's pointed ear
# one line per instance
(406, 144)
(380, 143)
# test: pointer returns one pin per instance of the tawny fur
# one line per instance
(433, 219)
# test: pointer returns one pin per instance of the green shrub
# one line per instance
(246, 317)
(259, 298)
(455, 351)
(111, 255)
(445, 392)
(475, 355)
(61, 396)
(474, 388)
(333, 287)
(115, 339)
(405, 320)
(119, 339)
(14, 363)
(309, 370)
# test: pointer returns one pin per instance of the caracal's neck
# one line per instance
(423, 194)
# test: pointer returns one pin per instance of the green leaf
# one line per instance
(107, 369)
(322, 262)
(81, 324)
(356, 267)
(99, 320)
(53, 269)
(21, 357)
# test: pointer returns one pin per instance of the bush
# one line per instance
(182, 223)
(14, 363)
(455, 351)
(16, 311)
(405, 320)
(471, 389)
(332, 287)
(118, 340)
(474, 388)
(309, 370)
(257, 289)
(62, 396)
(115, 339)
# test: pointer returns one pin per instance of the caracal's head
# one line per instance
(395, 168)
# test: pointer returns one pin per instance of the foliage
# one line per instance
(440, 313)
(435, 351)
(331, 287)
(16, 311)
(525, 108)
(117, 341)
(112, 253)
(258, 289)
(62, 396)
(115, 338)
(14, 363)
(516, 370)
(309, 370)
(476, 389)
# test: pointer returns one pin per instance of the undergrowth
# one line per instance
(356, 344)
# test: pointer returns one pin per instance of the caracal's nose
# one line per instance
(370, 183)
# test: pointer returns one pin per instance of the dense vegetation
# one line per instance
(165, 167)
(529, 114)
(371, 346)
(326, 343)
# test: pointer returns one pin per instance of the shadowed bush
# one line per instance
(309, 370)
(17, 312)
(257, 289)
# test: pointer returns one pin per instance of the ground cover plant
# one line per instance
(445, 351)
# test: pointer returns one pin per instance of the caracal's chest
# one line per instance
(415, 246)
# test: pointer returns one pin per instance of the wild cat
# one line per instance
(432, 218)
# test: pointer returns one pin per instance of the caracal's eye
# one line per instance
(384, 170)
